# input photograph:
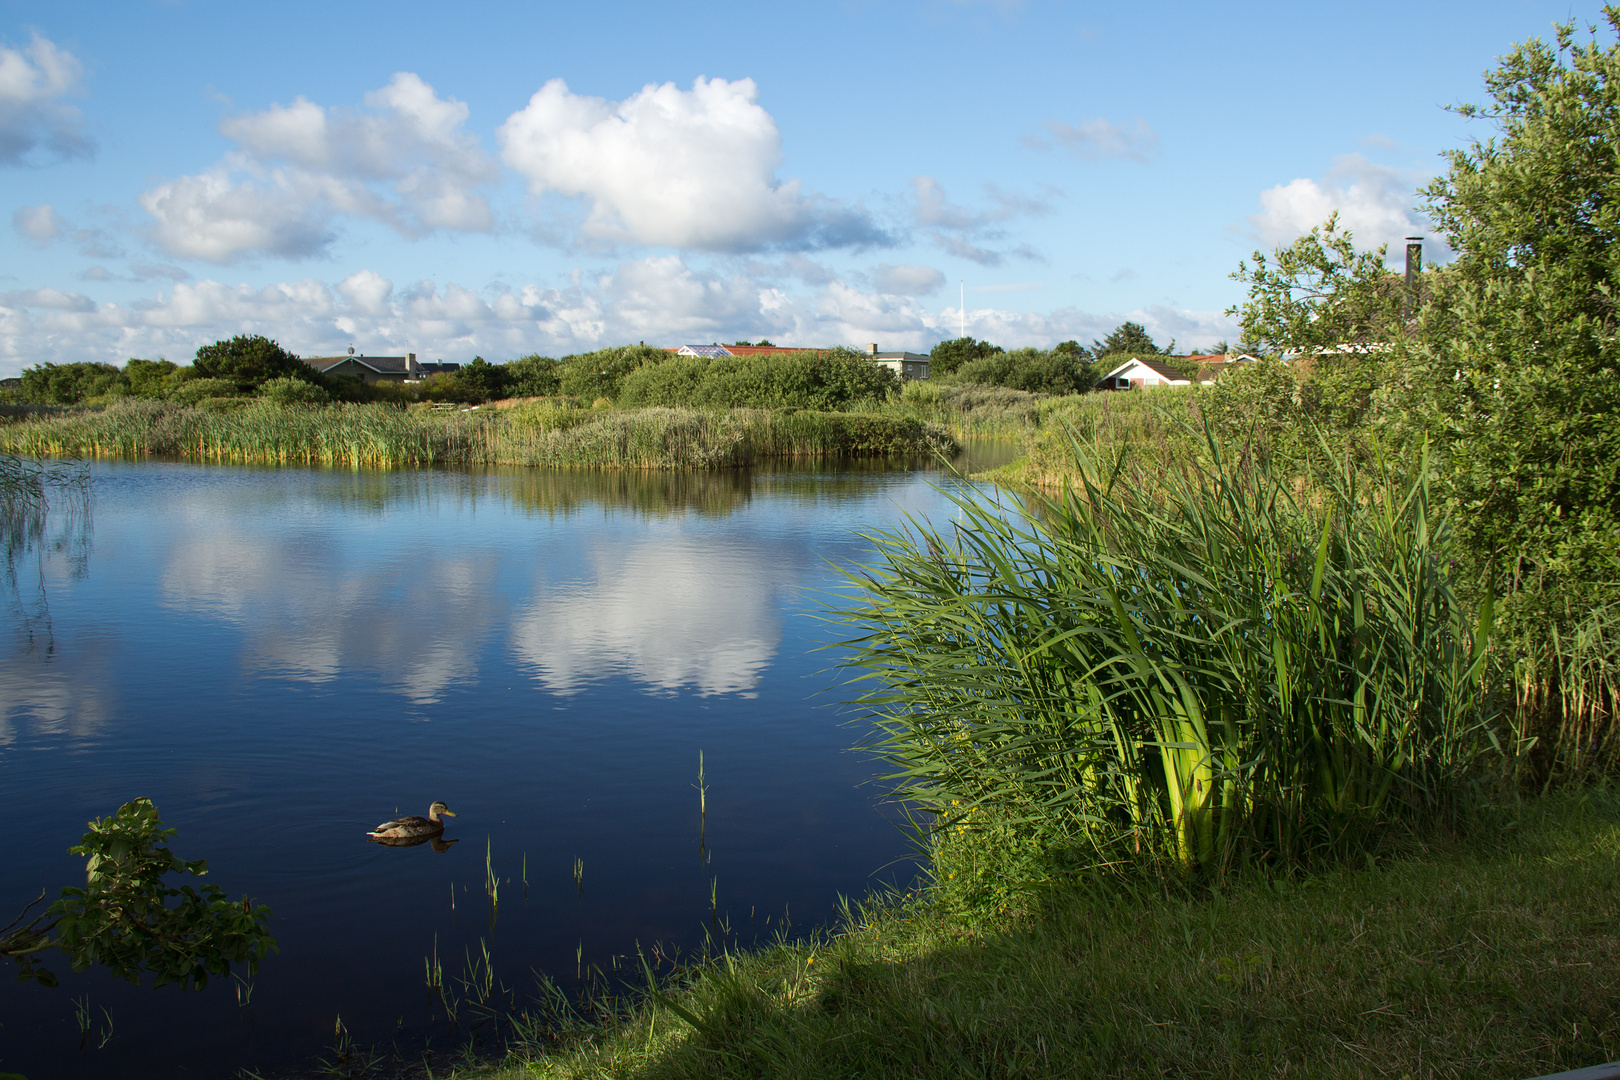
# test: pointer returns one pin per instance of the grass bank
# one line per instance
(542, 433)
(1494, 954)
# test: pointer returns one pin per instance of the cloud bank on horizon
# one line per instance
(669, 207)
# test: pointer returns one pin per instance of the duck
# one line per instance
(412, 828)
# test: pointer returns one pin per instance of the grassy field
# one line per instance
(1490, 955)
(543, 433)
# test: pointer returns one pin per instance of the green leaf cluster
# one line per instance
(129, 920)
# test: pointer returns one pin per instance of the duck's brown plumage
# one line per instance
(413, 827)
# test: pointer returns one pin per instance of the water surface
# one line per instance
(281, 658)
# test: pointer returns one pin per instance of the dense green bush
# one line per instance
(248, 360)
(594, 375)
(151, 378)
(67, 384)
(1037, 371)
(533, 376)
(289, 391)
(947, 356)
(192, 391)
(805, 380)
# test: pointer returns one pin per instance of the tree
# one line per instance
(1318, 294)
(1519, 343)
(249, 360)
(481, 380)
(122, 918)
(1130, 338)
(947, 356)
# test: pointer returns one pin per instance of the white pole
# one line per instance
(963, 309)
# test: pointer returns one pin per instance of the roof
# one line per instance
(1159, 367)
(383, 365)
(710, 351)
(913, 357)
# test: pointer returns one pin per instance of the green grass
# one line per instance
(539, 434)
(1494, 954)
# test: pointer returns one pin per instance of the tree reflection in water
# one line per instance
(44, 516)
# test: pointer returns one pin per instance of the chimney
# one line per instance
(871, 350)
(1414, 267)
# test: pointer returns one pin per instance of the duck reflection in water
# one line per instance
(413, 830)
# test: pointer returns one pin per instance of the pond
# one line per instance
(282, 658)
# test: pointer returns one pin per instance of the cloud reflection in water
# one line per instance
(667, 612)
(412, 617)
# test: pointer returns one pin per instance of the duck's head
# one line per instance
(438, 809)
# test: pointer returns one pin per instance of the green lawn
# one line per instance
(1492, 955)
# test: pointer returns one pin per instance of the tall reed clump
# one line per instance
(1158, 421)
(537, 434)
(1567, 720)
(1179, 669)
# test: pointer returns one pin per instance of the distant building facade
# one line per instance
(907, 365)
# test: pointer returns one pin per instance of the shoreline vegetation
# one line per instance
(543, 433)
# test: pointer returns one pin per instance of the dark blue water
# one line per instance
(280, 659)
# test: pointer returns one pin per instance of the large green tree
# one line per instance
(1131, 338)
(1518, 344)
(1319, 294)
(250, 359)
(947, 356)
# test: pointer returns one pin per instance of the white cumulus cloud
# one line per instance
(35, 122)
(692, 169)
(1374, 202)
(403, 159)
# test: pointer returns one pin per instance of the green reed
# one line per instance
(1176, 665)
(383, 436)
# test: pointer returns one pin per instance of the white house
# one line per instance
(1145, 372)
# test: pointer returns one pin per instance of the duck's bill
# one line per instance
(447, 813)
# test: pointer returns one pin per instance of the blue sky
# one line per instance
(501, 178)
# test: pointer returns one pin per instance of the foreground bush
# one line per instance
(1180, 666)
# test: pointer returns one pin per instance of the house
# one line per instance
(369, 369)
(1144, 372)
(1153, 371)
(907, 365)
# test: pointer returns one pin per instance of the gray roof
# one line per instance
(382, 365)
